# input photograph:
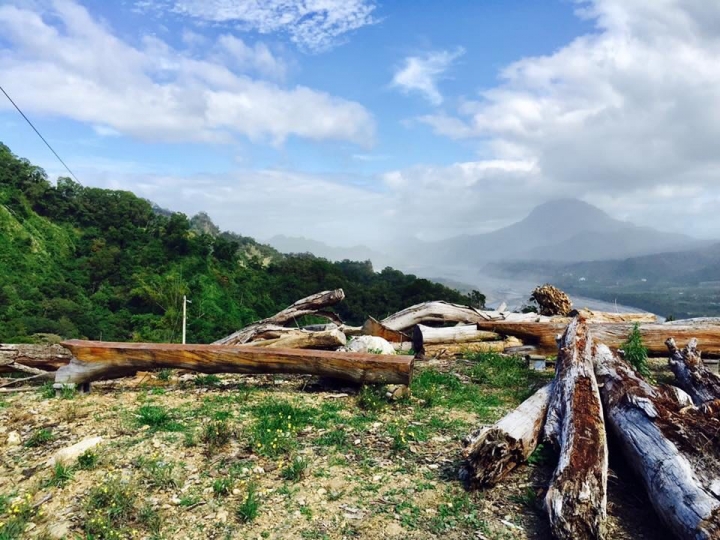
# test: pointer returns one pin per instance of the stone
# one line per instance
(70, 453)
(222, 516)
(59, 530)
(13, 438)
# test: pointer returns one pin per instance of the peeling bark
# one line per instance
(691, 374)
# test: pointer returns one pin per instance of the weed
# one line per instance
(541, 455)
(189, 499)
(528, 498)
(20, 511)
(150, 518)
(165, 374)
(158, 418)
(190, 440)
(222, 486)
(247, 510)
(402, 435)
(109, 506)
(210, 381)
(372, 398)
(157, 472)
(61, 475)
(216, 434)
(87, 460)
(68, 392)
(635, 352)
(336, 437)
(457, 510)
(274, 431)
(47, 391)
(295, 470)
(39, 438)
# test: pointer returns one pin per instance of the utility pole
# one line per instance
(185, 303)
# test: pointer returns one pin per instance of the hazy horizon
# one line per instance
(358, 120)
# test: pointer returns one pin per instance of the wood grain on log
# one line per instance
(458, 349)
(311, 305)
(576, 500)
(674, 450)
(492, 452)
(96, 360)
(614, 335)
(438, 312)
(292, 338)
(427, 335)
(41, 357)
(691, 374)
(375, 328)
(609, 317)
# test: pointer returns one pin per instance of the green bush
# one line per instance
(636, 353)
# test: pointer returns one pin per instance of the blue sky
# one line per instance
(358, 119)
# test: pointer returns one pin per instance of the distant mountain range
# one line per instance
(567, 230)
(299, 244)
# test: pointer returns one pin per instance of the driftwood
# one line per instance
(691, 374)
(427, 335)
(437, 312)
(292, 338)
(375, 328)
(18, 357)
(492, 452)
(577, 497)
(312, 305)
(674, 449)
(609, 317)
(551, 300)
(459, 349)
(543, 334)
(94, 360)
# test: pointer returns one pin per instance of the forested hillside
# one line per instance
(101, 264)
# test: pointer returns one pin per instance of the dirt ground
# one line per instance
(186, 456)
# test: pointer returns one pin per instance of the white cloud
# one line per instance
(314, 25)
(421, 73)
(77, 68)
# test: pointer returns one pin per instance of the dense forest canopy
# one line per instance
(105, 264)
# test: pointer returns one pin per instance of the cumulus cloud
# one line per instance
(75, 67)
(634, 105)
(314, 25)
(421, 73)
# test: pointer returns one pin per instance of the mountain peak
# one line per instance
(568, 211)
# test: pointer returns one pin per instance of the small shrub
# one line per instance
(295, 470)
(87, 460)
(247, 510)
(39, 438)
(636, 353)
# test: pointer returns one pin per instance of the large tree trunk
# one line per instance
(609, 317)
(42, 357)
(427, 335)
(674, 449)
(95, 360)
(312, 305)
(492, 452)
(438, 312)
(292, 338)
(458, 349)
(543, 334)
(577, 497)
(691, 374)
(374, 328)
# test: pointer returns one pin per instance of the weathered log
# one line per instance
(609, 317)
(292, 338)
(427, 335)
(375, 328)
(438, 312)
(492, 452)
(691, 374)
(576, 500)
(459, 349)
(41, 357)
(543, 334)
(94, 360)
(674, 449)
(312, 305)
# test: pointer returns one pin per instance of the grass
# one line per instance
(110, 507)
(61, 475)
(208, 381)
(39, 438)
(216, 434)
(20, 511)
(222, 486)
(247, 510)
(157, 418)
(157, 472)
(435, 388)
(295, 470)
(88, 460)
(275, 429)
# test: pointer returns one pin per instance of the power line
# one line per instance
(39, 134)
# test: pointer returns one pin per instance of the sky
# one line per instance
(354, 121)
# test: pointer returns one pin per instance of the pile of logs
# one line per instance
(669, 435)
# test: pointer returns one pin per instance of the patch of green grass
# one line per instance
(110, 506)
(528, 498)
(39, 438)
(158, 418)
(247, 510)
(61, 475)
(88, 460)
(209, 381)
(456, 511)
(275, 429)
(541, 455)
(47, 391)
(68, 392)
(216, 434)
(20, 511)
(503, 372)
(372, 398)
(165, 374)
(222, 486)
(402, 434)
(336, 437)
(158, 472)
(150, 518)
(190, 499)
(295, 470)
(436, 388)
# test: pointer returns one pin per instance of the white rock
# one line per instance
(60, 530)
(70, 453)
(322, 491)
(369, 344)
(13, 438)
(222, 516)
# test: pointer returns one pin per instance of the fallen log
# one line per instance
(614, 335)
(609, 317)
(427, 335)
(691, 374)
(94, 360)
(372, 327)
(674, 449)
(438, 312)
(459, 349)
(576, 500)
(292, 338)
(14, 357)
(311, 305)
(492, 452)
